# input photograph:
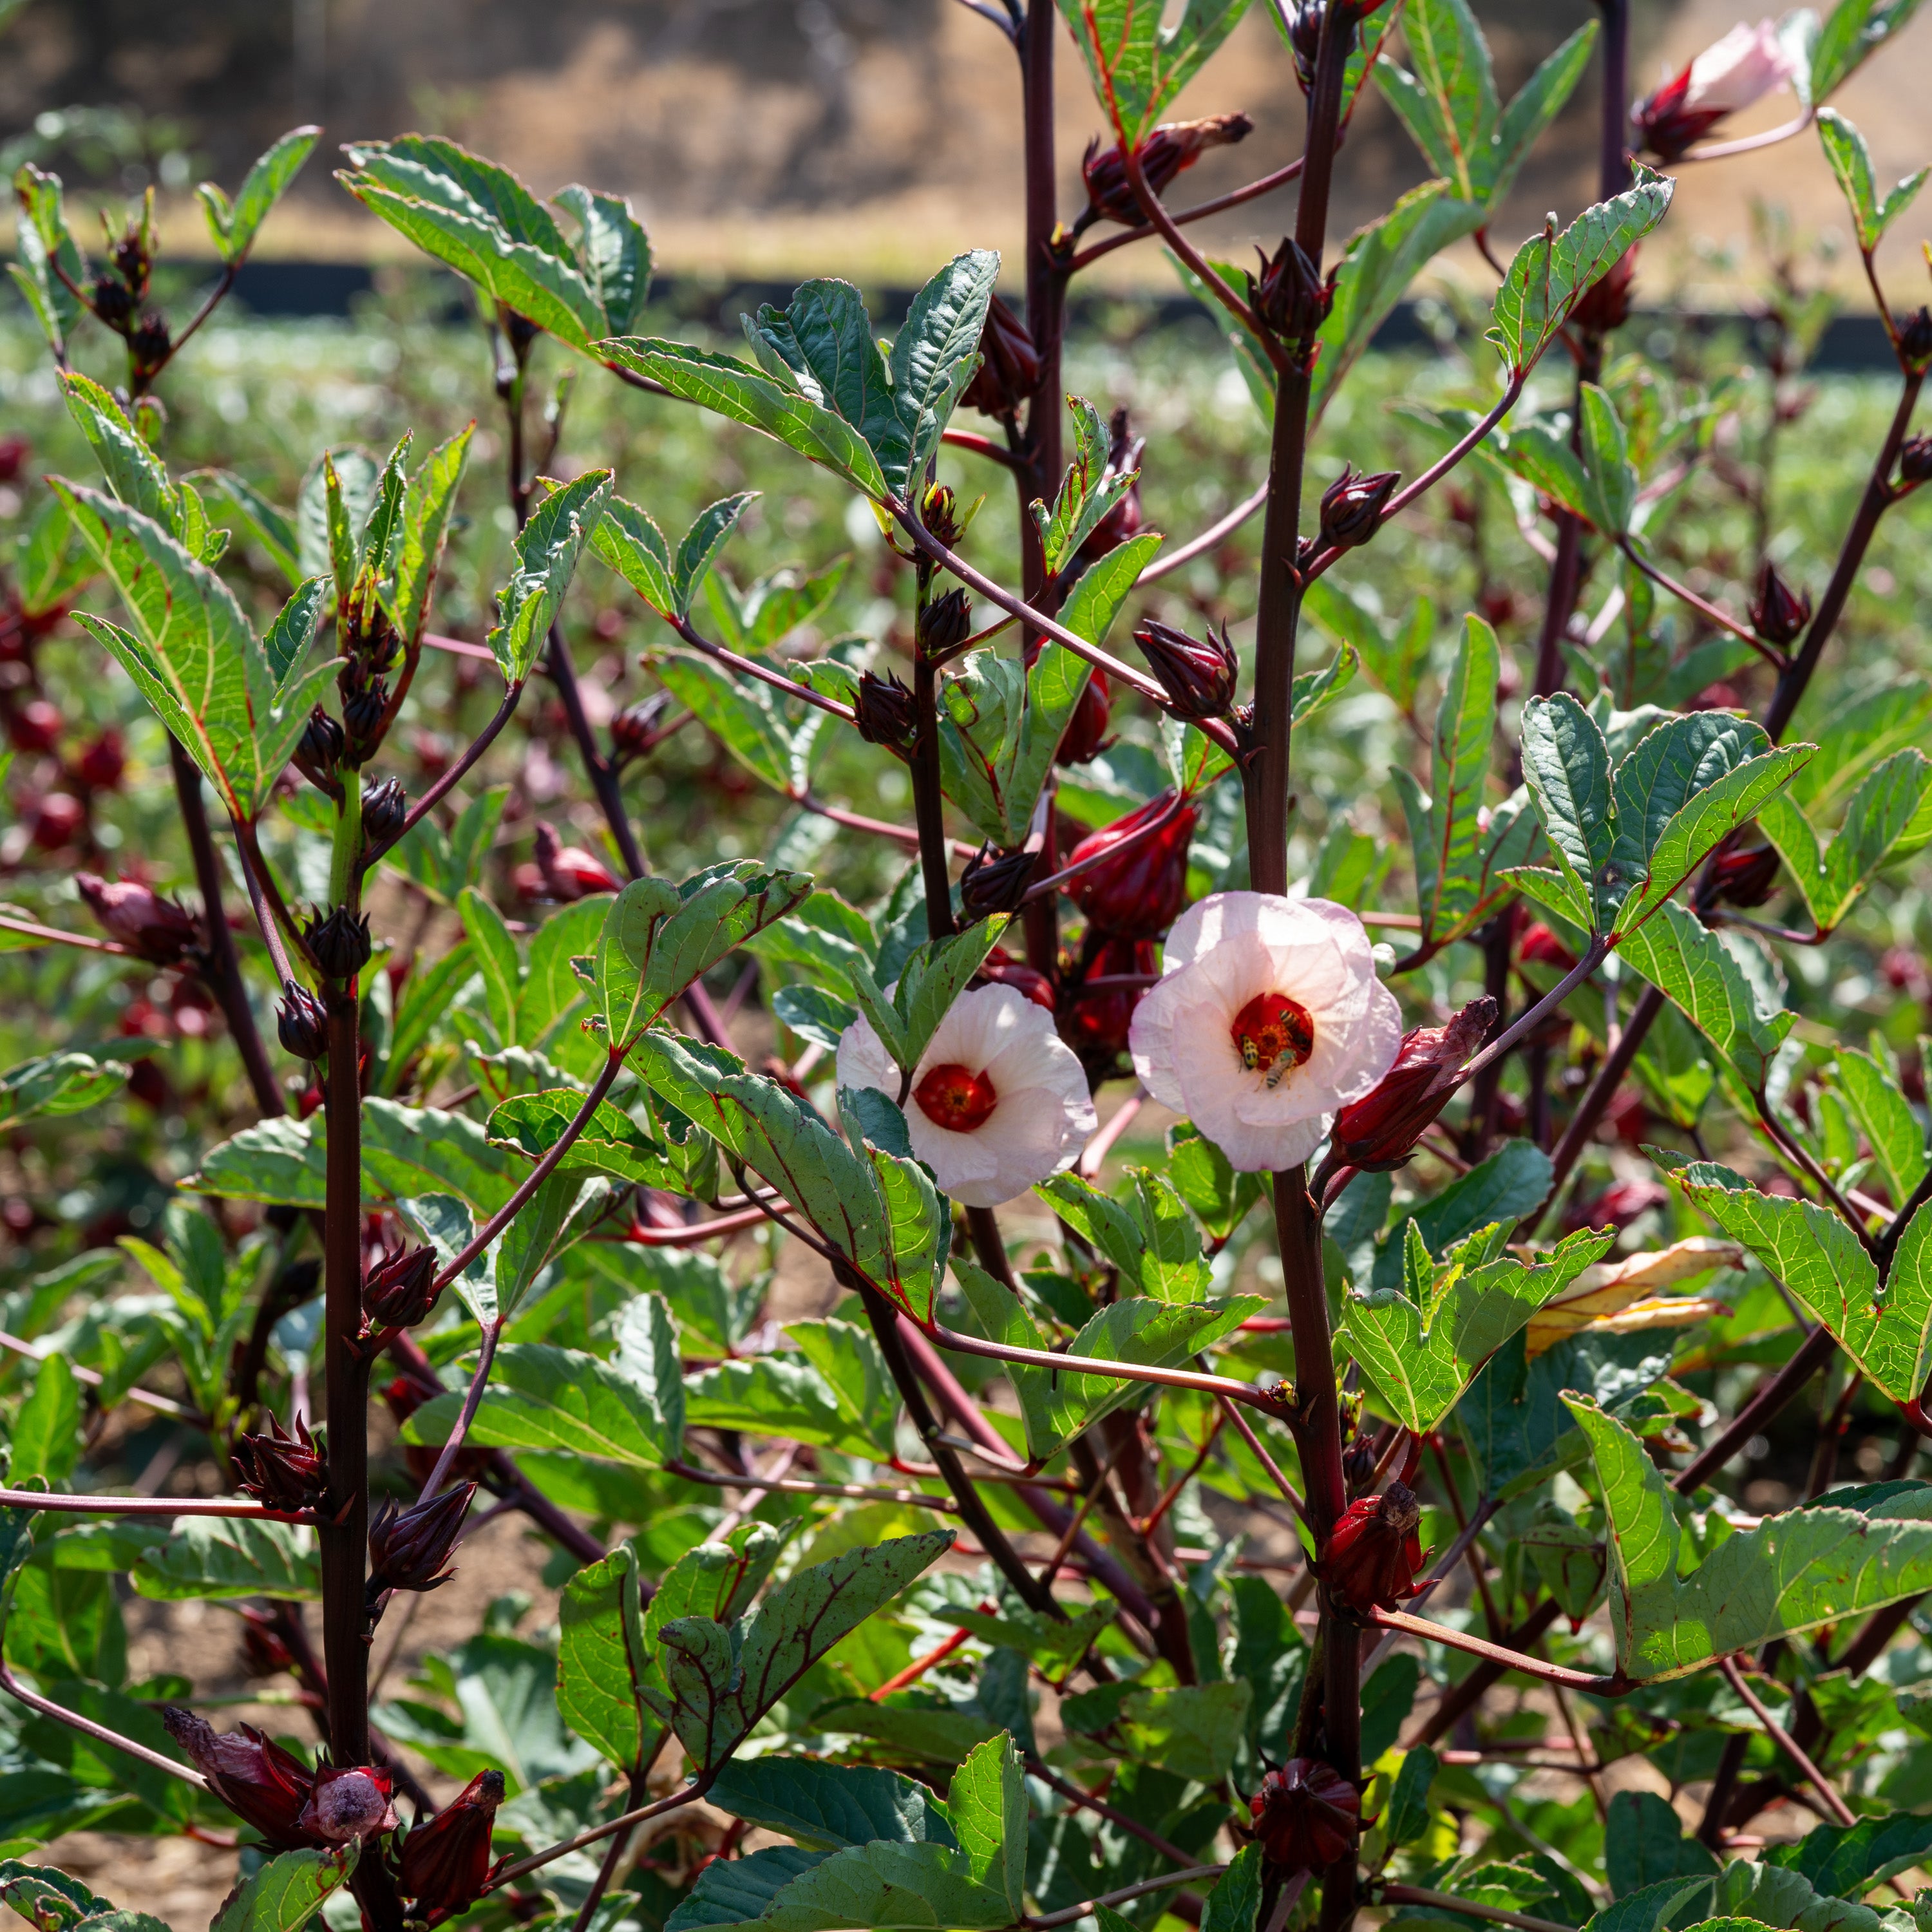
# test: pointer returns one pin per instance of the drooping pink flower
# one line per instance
(1268, 1020)
(998, 1103)
(1728, 76)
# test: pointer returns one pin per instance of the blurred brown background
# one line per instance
(770, 137)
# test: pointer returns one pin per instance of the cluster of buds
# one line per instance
(1172, 146)
(1351, 507)
(400, 1290)
(410, 1549)
(338, 942)
(1305, 1817)
(633, 731)
(446, 1859)
(1379, 1132)
(1008, 376)
(944, 625)
(1728, 76)
(283, 1471)
(1778, 613)
(161, 930)
(369, 645)
(1138, 893)
(1198, 674)
(995, 881)
(939, 511)
(273, 1791)
(1290, 294)
(886, 712)
(1373, 1554)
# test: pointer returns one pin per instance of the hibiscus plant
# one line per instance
(1048, 1577)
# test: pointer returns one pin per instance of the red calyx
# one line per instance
(161, 930)
(1003, 969)
(263, 1785)
(102, 763)
(1748, 878)
(286, 1472)
(569, 872)
(350, 1803)
(1373, 1553)
(408, 1548)
(1095, 1023)
(1667, 127)
(1543, 945)
(446, 1858)
(263, 1649)
(1379, 1132)
(1172, 146)
(1086, 734)
(1305, 1816)
(1139, 894)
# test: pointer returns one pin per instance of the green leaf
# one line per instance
(135, 474)
(1566, 765)
(1809, 1566)
(1150, 1239)
(1423, 1347)
(721, 1682)
(631, 543)
(828, 1806)
(43, 242)
(601, 1658)
(1192, 1730)
(1846, 1861)
(58, 1084)
(730, 388)
(233, 227)
(222, 1557)
(613, 253)
(1449, 104)
(1235, 1903)
(798, 1400)
(428, 507)
(1137, 64)
(1881, 813)
(1855, 31)
(612, 1144)
(1886, 1118)
(709, 531)
(47, 1430)
(547, 548)
(1087, 492)
(194, 657)
(1644, 1844)
(1444, 826)
(1607, 458)
(934, 976)
(1552, 273)
(495, 953)
(48, 1900)
(878, 1209)
(1406, 1818)
(773, 736)
(1041, 1640)
(287, 1892)
(659, 939)
(936, 352)
(1529, 115)
(1819, 1259)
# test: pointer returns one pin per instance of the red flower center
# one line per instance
(956, 1098)
(1274, 1035)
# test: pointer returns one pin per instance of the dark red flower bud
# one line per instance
(944, 625)
(161, 930)
(36, 726)
(887, 715)
(939, 511)
(1373, 1553)
(112, 301)
(263, 1785)
(1914, 339)
(1778, 613)
(569, 872)
(408, 1548)
(1172, 146)
(1304, 19)
(1606, 305)
(1289, 295)
(1543, 945)
(1003, 969)
(446, 1858)
(1747, 878)
(101, 764)
(56, 821)
(385, 806)
(1009, 368)
(14, 451)
(400, 1290)
(995, 881)
(1305, 1816)
(1915, 459)
(1668, 125)
(339, 942)
(1085, 735)
(1379, 1131)
(1358, 1462)
(149, 346)
(1351, 507)
(301, 1023)
(1619, 1205)
(286, 1472)
(1094, 1020)
(264, 1651)
(633, 731)
(1139, 894)
(132, 257)
(1198, 674)
(321, 747)
(351, 1803)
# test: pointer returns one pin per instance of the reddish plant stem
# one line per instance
(1471, 1691)
(1762, 1409)
(449, 780)
(1262, 184)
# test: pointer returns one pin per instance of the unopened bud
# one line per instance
(1198, 674)
(338, 941)
(1378, 1132)
(446, 1858)
(1746, 878)
(1915, 340)
(1138, 893)
(633, 730)
(1778, 613)
(1095, 1022)
(112, 301)
(1009, 366)
(886, 712)
(349, 1804)
(569, 872)
(150, 345)
(264, 1651)
(995, 881)
(1305, 1817)
(1289, 295)
(408, 1548)
(384, 807)
(1172, 146)
(1351, 507)
(944, 625)
(286, 1472)
(400, 1289)
(320, 749)
(301, 1023)
(1373, 1553)
(101, 766)
(1606, 305)
(1915, 460)
(939, 511)
(265, 1787)
(364, 702)
(161, 930)
(1085, 735)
